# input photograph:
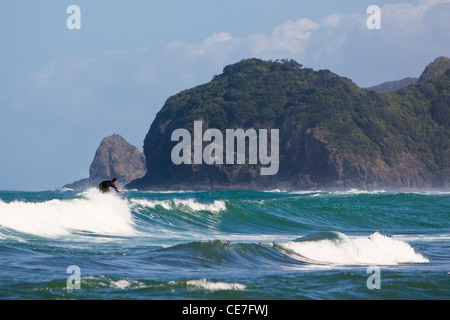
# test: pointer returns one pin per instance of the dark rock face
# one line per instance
(114, 158)
(435, 69)
(332, 134)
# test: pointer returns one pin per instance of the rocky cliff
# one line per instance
(435, 69)
(115, 157)
(332, 134)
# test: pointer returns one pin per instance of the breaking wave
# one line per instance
(253, 231)
(335, 248)
(89, 212)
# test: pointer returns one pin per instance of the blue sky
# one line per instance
(62, 91)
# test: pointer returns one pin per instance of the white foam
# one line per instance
(376, 249)
(121, 284)
(191, 204)
(306, 192)
(432, 193)
(216, 206)
(275, 191)
(93, 212)
(209, 285)
(167, 191)
(420, 237)
(358, 191)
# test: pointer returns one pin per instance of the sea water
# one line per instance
(68, 244)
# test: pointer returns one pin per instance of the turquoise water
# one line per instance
(67, 244)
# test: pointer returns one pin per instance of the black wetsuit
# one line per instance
(105, 185)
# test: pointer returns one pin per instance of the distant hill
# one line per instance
(332, 133)
(435, 69)
(114, 158)
(391, 86)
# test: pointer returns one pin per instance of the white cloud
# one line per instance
(218, 37)
(408, 18)
(339, 42)
(431, 3)
(213, 44)
(411, 35)
(332, 20)
(299, 30)
(291, 36)
(404, 17)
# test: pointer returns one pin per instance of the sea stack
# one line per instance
(115, 157)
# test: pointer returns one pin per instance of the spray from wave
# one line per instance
(90, 212)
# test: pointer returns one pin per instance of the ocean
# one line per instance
(228, 245)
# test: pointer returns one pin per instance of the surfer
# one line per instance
(105, 185)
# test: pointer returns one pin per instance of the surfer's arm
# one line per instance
(118, 190)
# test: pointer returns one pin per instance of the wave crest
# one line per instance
(190, 204)
(90, 212)
(339, 249)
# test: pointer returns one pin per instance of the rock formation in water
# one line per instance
(114, 158)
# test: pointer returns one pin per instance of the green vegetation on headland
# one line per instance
(332, 132)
